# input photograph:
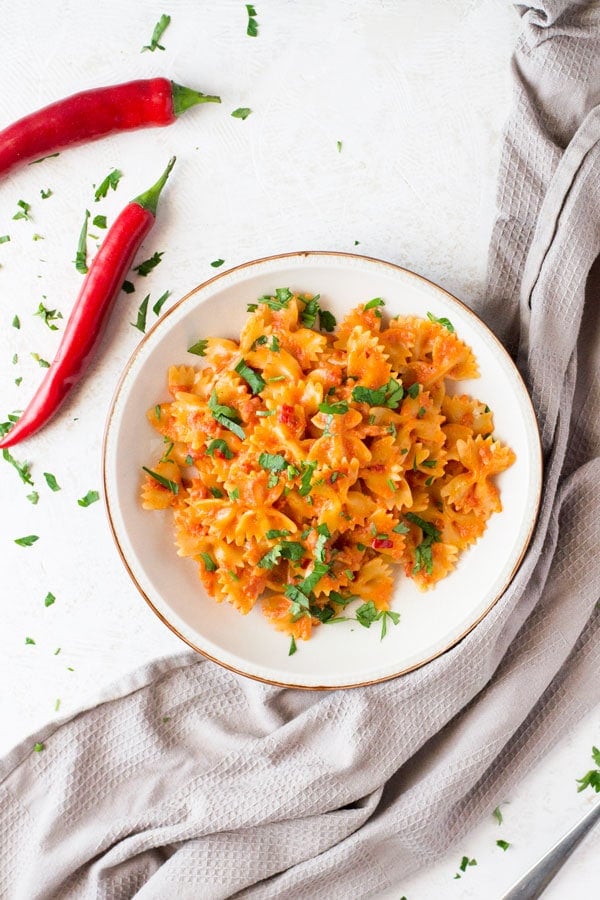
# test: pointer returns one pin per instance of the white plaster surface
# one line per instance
(417, 93)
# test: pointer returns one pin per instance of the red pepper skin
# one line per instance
(93, 114)
(89, 317)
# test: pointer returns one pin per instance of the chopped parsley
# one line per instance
(44, 194)
(291, 550)
(4, 238)
(423, 552)
(27, 541)
(334, 409)
(308, 584)
(413, 390)
(99, 221)
(255, 381)
(145, 267)
(160, 302)
(217, 263)
(227, 416)
(242, 112)
(220, 445)
(142, 313)
(51, 481)
(293, 646)
(22, 469)
(127, 287)
(272, 462)
(165, 482)
(592, 778)
(81, 254)
(29, 640)
(34, 162)
(279, 301)
(33, 497)
(305, 481)
(339, 146)
(497, 814)
(252, 26)
(90, 497)
(24, 209)
(374, 304)
(443, 321)
(209, 563)
(159, 29)
(274, 533)
(43, 363)
(199, 348)
(16, 322)
(504, 845)
(389, 394)
(312, 309)
(49, 599)
(111, 181)
(234, 494)
(38, 747)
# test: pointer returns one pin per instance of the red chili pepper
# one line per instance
(92, 114)
(382, 544)
(89, 316)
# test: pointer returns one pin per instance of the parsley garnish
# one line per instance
(308, 317)
(307, 471)
(374, 304)
(16, 322)
(504, 845)
(217, 494)
(166, 482)
(209, 563)
(216, 263)
(33, 497)
(38, 747)
(423, 552)
(272, 462)
(250, 376)
(443, 321)
(199, 348)
(227, 416)
(591, 778)
(293, 647)
(159, 30)
(276, 533)
(334, 409)
(34, 162)
(242, 112)
(127, 287)
(389, 394)
(327, 320)
(51, 481)
(252, 27)
(413, 390)
(27, 541)
(30, 641)
(49, 599)
(99, 221)
(160, 302)
(401, 528)
(279, 301)
(81, 255)
(21, 468)
(291, 550)
(23, 212)
(498, 815)
(339, 146)
(90, 497)
(140, 322)
(41, 362)
(145, 267)
(4, 238)
(220, 445)
(111, 181)
(308, 584)
(48, 193)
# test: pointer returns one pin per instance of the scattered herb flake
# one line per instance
(90, 497)
(222, 447)
(29, 640)
(22, 469)
(413, 390)
(27, 541)
(504, 845)
(242, 112)
(199, 348)
(41, 362)
(227, 416)
(81, 255)
(38, 747)
(498, 815)
(24, 209)
(159, 29)
(145, 267)
(44, 194)
(209, 563)
(217, 263)
(16, 322)
(272, 462)
(592, 778)
(293, 646)
(99, 221)
(4, 238)
(252, 27)
(166, 482)
(33, 497)
(443, 321)
(51, 481)
(34, 162)
(334, 409)
(48, 316)
(160, 303)
(339, 146)
(255, 381)
(111, 181)
(57, 704)
(140, 322)
(127, 287)
(49, 599)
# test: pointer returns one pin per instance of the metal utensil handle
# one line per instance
(537, 879)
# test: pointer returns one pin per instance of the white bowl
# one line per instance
(345, 654)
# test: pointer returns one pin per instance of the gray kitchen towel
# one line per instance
(188, 781)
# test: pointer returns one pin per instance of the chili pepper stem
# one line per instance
(185, 97)
(149, 199)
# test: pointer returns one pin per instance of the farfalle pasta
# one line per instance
(305, 463)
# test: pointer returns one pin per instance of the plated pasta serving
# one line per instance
(312, 467)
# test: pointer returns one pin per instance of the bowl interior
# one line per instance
(346, 653)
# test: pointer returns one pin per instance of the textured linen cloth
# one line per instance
(189, 781)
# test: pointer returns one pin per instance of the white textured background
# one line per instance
(417, 93)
